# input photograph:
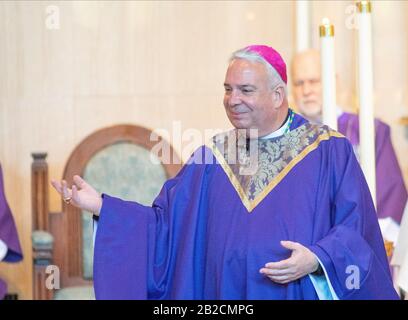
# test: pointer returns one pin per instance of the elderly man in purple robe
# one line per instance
(10, 249)
(307, 92)
(292, 220)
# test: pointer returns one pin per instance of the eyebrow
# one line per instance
(247, 85)
(241, 86)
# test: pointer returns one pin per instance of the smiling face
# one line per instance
(250, 100)
(307, 87)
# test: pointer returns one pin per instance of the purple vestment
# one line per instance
(391, 192)
(8, 234)
(211, 228)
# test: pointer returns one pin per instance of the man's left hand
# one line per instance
(301, 262)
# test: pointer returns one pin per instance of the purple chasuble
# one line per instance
(211, 228)
(390, 192)
(8, 233)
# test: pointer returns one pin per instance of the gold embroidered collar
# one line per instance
(255, 167)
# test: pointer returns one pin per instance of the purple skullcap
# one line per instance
(272, 57)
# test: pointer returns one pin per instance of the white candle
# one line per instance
(366, 114)
(328, 73)
(302, 25)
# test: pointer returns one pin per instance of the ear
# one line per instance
(279, 95)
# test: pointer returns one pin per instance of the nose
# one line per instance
(307, 88)
(233, 98)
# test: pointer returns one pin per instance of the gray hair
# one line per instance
(274, 77)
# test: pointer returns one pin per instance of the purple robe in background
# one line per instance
(8, 234)
(211, 229)
(391, 192)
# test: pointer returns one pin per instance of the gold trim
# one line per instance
(295, 161)
(364, 6)
(250, 206)
(231, 176)
(389, 248)
(326, 30)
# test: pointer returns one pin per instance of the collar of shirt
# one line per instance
(278, 132)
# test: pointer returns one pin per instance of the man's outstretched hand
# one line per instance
(81, 195)
(300, 263)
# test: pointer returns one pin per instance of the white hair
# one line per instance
(274, 77)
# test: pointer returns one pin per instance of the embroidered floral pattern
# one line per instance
(256, 166)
